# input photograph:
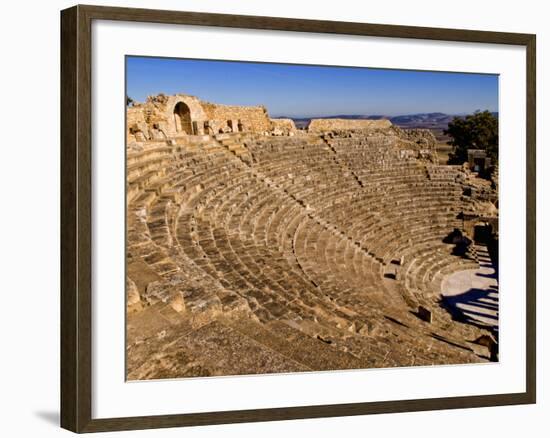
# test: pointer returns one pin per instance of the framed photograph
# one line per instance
(268, 218)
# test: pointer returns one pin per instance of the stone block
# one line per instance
(424, 314)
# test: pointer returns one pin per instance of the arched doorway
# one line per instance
(182, 118)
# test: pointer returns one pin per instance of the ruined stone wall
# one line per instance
(252, 118)
(422, 137)
(155, 120)
(320, 125)
(137, 127)
(283, 126)
(420, 141)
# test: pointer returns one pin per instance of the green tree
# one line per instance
(475, 131)
(129, 101)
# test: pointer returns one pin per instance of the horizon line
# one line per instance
(358, 116)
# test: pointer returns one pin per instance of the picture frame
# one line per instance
(77, 167)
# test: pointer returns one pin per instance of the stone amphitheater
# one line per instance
(255, 247)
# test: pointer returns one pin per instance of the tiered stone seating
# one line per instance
(145, 166)
(281, 245)
(410, 202)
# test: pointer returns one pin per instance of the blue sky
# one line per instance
(301, 90)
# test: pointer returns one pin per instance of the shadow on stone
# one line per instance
(476, 298)
(447, 341)
(395, 321)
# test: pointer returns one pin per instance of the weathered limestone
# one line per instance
(424, 138)
(252, 118)
(254, 253)
(283, 126)
(163, 117)
(322, 125)
(133, 301)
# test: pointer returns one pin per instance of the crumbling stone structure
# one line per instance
(162, 117)
(253, 253)
(478, 160)
(323, 125)
(252, 118)
(283, 126)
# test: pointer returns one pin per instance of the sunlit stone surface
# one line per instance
(255, 247)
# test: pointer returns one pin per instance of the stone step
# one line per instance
(214, 349)
(150, 321)
(261, 334)
(305, 347)
(313, 352)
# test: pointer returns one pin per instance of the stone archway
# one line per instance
(182, 119)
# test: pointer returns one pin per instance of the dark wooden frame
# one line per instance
(76, 168)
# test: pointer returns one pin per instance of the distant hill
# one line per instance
(436, 120)
(427, 120)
